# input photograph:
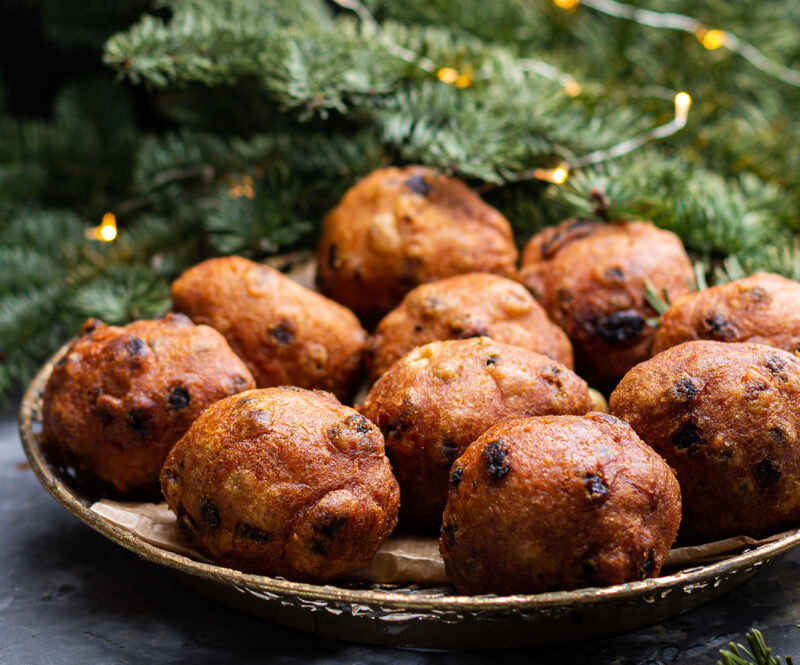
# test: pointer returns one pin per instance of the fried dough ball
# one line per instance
(760, 309)
(725, 417)
(283, 481)
(120, 398)
(287, 334)
(590, 278)
(398, 228)
(466, 306)
(440, 397)
(558, 502)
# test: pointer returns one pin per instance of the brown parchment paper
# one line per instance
(402, 558)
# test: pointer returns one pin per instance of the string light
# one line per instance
(559, 175)
(464, 79)
(447, 75)
(710, 39)
(244, 187)
(107, 230)
(683, 101)
(572, 88)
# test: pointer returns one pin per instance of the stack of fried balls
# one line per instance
(478, 423)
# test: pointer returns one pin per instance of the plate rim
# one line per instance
(700, 575)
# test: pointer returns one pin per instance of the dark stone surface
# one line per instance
(67, 595)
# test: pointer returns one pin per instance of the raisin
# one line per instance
(766, 472)
(333, 255)
(449, 451)
(62, 361)
(717, 327)
(595, 486)
(492, 359)
(615, 274)
(418, 328)
(777, 434)
(685, 390)
(495, 454)
(552, 375)
(648, 566)
(753, 390)
(775, 364)
(90, 326)
(322, 543)
(179, 398)
(282, 334)
(418, 185)
(621, 326)
(363, 426)
(687, 437)
(251, 533)
(135, 346)
(239, 382)
(137, 421)
(455, 477)
(449, 531)
(209, 513)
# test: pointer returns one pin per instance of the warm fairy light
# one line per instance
(464, 79)
(241, 188)
(557, 176)
(454, 77)
(566, 4)
(107, 230)
(447, 75)
(572, 88)
(682, 103)
(711, 39)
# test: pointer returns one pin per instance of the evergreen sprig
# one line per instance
(757, 654)
(261, 113)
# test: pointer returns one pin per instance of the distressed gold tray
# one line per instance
(414, 615)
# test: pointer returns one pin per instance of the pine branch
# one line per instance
(758, 653)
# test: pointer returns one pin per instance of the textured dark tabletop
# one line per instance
(68, 595)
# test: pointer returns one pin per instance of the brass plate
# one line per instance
(412, 615)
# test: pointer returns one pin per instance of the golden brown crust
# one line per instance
(398, 228)
(558, 502)
(121, 397)
(466, 306)
(590, 278)
(440, 397)
(725, 417)
(287, 334)
(283, 481)
(760, 309)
